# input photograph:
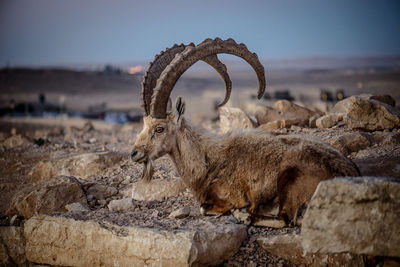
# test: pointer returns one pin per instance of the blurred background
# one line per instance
(87, 58)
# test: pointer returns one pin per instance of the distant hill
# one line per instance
(26, 80)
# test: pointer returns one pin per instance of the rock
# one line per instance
(348, 143)
(267, 114)
(76, 207)
(233, 119)
(15, 141)
(273, 223)
(99, 191)
(365, 113)
(125, 204)
(101, 202)
(242, 216)
(289, 248)
(383, 166)
(387, 99)
(290, 110)
(274, 125)
(12, 246)
(312, 122)
(64, 241)
(86, 165)
(48, 196)
(155, 190)
(356, 215)
(180, 213)
(42, 171)
(391, 139)
(329, 120)
(284, 111)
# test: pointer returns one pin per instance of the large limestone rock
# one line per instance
(233, 119)
(48, 196)
(12, 246)
(364, 112)
(83, 165)
(357, 215)
(350, 142)
(154, 190)
(289, 248)
(68, 242)
(284, 110)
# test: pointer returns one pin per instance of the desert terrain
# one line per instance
(71, 195)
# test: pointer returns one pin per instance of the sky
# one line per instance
(56, 32)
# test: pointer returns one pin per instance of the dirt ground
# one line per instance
(68, 137)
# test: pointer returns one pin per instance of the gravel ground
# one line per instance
(17, 163)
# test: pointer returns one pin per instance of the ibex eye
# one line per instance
(159, 129)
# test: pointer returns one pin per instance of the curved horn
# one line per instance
(191, 55)
(162, 60)
(223, 72)
(154, 71)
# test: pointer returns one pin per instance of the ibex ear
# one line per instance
(169, 106)
(180, 109)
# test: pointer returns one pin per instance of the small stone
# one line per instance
(100, 191)
(92, 140)
(76, 207)
(125, 204)
(13, 219)
(328, 120)
(242, 217)
(232, 219)
(101, 202)
(273, 223)
(155, 190)
(180, 213)
(127, 180)
(15, 141)
(89, 197)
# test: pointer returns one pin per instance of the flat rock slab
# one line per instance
(58, 240)
(289, 248)
(359, 215)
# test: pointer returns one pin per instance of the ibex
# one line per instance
(242, 169)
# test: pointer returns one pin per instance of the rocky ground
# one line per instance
(46, 166)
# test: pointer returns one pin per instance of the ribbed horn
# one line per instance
(223, 72)
(162, 60)
(154, 71)
(191, 55)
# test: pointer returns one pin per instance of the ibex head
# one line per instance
(159, 132)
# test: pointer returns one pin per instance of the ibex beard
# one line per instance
(242, 169)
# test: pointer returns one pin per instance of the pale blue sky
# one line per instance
(54, 32)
